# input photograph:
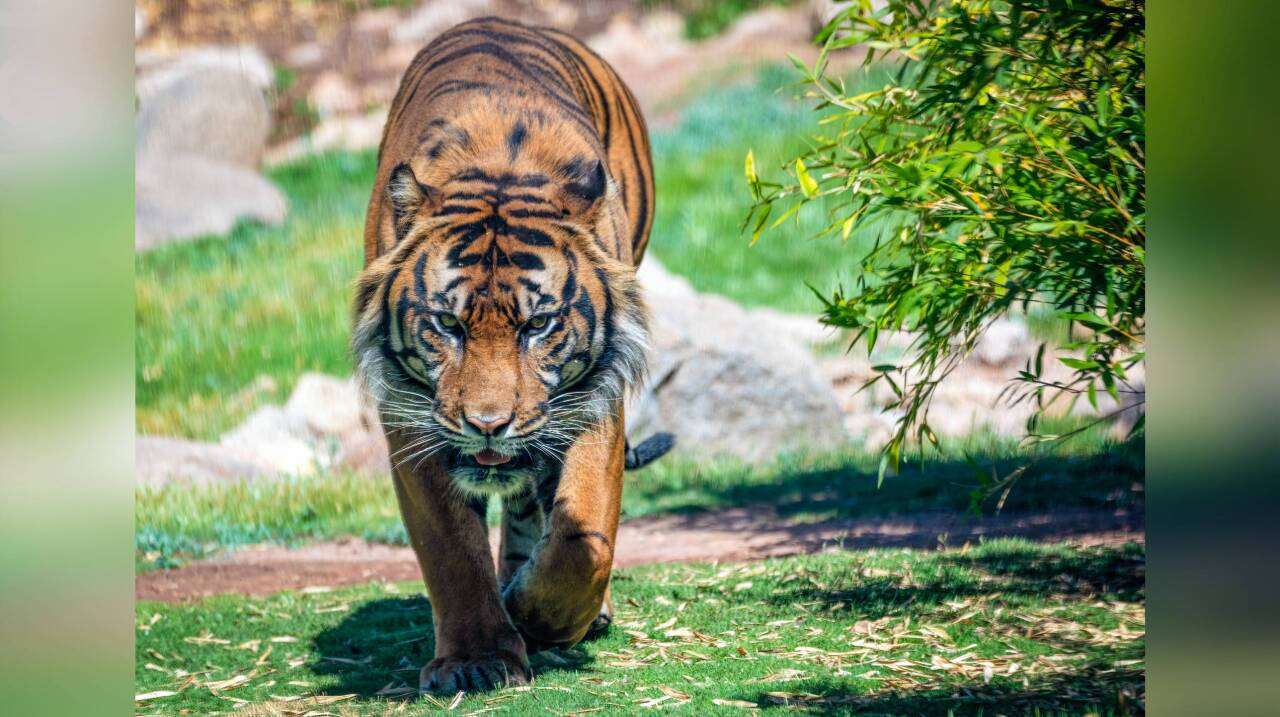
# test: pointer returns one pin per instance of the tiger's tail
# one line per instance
(649, 450)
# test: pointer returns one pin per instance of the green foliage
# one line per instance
(1006, 627)
(1003, 168)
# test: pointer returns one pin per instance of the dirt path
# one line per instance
(723, 535)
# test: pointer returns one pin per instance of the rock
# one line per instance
(158, 461)
(725, 382)
(305, 55)
(349, 133)
(1004, 342)
(184, 197)
(377, 20)
(326, 425)
(276, 438)
(434, 17)
(339, 422)
(159, 70)
(209, 112)
(326, 405)
(333, 95)
(626, 42)
(822, 12)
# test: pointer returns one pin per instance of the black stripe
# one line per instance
(595, 534)
(518, 134)
(522, 64)
(527, 261)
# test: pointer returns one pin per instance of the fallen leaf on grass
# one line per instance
(341, 607)
(783, 675)
(348, 661)
(206, 638)
(734, 703)
(397, 691)
(228, 684)
(153, 695)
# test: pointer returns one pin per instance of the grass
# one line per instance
(225, 325)
(1007, 627)
(177, 522)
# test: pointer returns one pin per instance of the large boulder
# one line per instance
(202, 128)
(326, 425)
(187, 196)
(159, 460)
(274, 437)
(206, 111)
(729, 381)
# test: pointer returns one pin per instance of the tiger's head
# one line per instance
(499, 326)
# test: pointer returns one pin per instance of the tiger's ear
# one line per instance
(585, 185)
(407, 197)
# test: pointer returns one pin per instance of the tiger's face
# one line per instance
(497, 330)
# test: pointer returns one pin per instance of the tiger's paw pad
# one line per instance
(450, 675)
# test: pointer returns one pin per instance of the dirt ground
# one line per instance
(725, 535)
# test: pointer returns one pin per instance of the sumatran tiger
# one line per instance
(498, 325)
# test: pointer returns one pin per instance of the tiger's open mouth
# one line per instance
(491, 460)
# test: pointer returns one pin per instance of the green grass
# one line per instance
(217, 314)
(179, 522)
(1007, 627)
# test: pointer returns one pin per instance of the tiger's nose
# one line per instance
(489, 425)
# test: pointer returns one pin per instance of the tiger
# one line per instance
(498, 326)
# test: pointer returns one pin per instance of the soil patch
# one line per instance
(723, 535)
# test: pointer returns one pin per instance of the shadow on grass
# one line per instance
(1017, 572)
(1097, 689)
(835, 486)
(384, 643)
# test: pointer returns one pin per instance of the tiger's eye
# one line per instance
(538, 322)
(449, 321)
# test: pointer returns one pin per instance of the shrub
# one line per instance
(1001, 168)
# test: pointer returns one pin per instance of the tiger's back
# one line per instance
(490, 85)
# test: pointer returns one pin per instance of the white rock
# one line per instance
(350, 133)
(1005, 341)
(435, 16)
(326, 405)
(159, 460)
(274, 437)
(209, 112)
(724, 382)
(159, 70)
(332, 95)
(183, 197)
(305, 54)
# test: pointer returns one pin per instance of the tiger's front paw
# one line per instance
(450, 675)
